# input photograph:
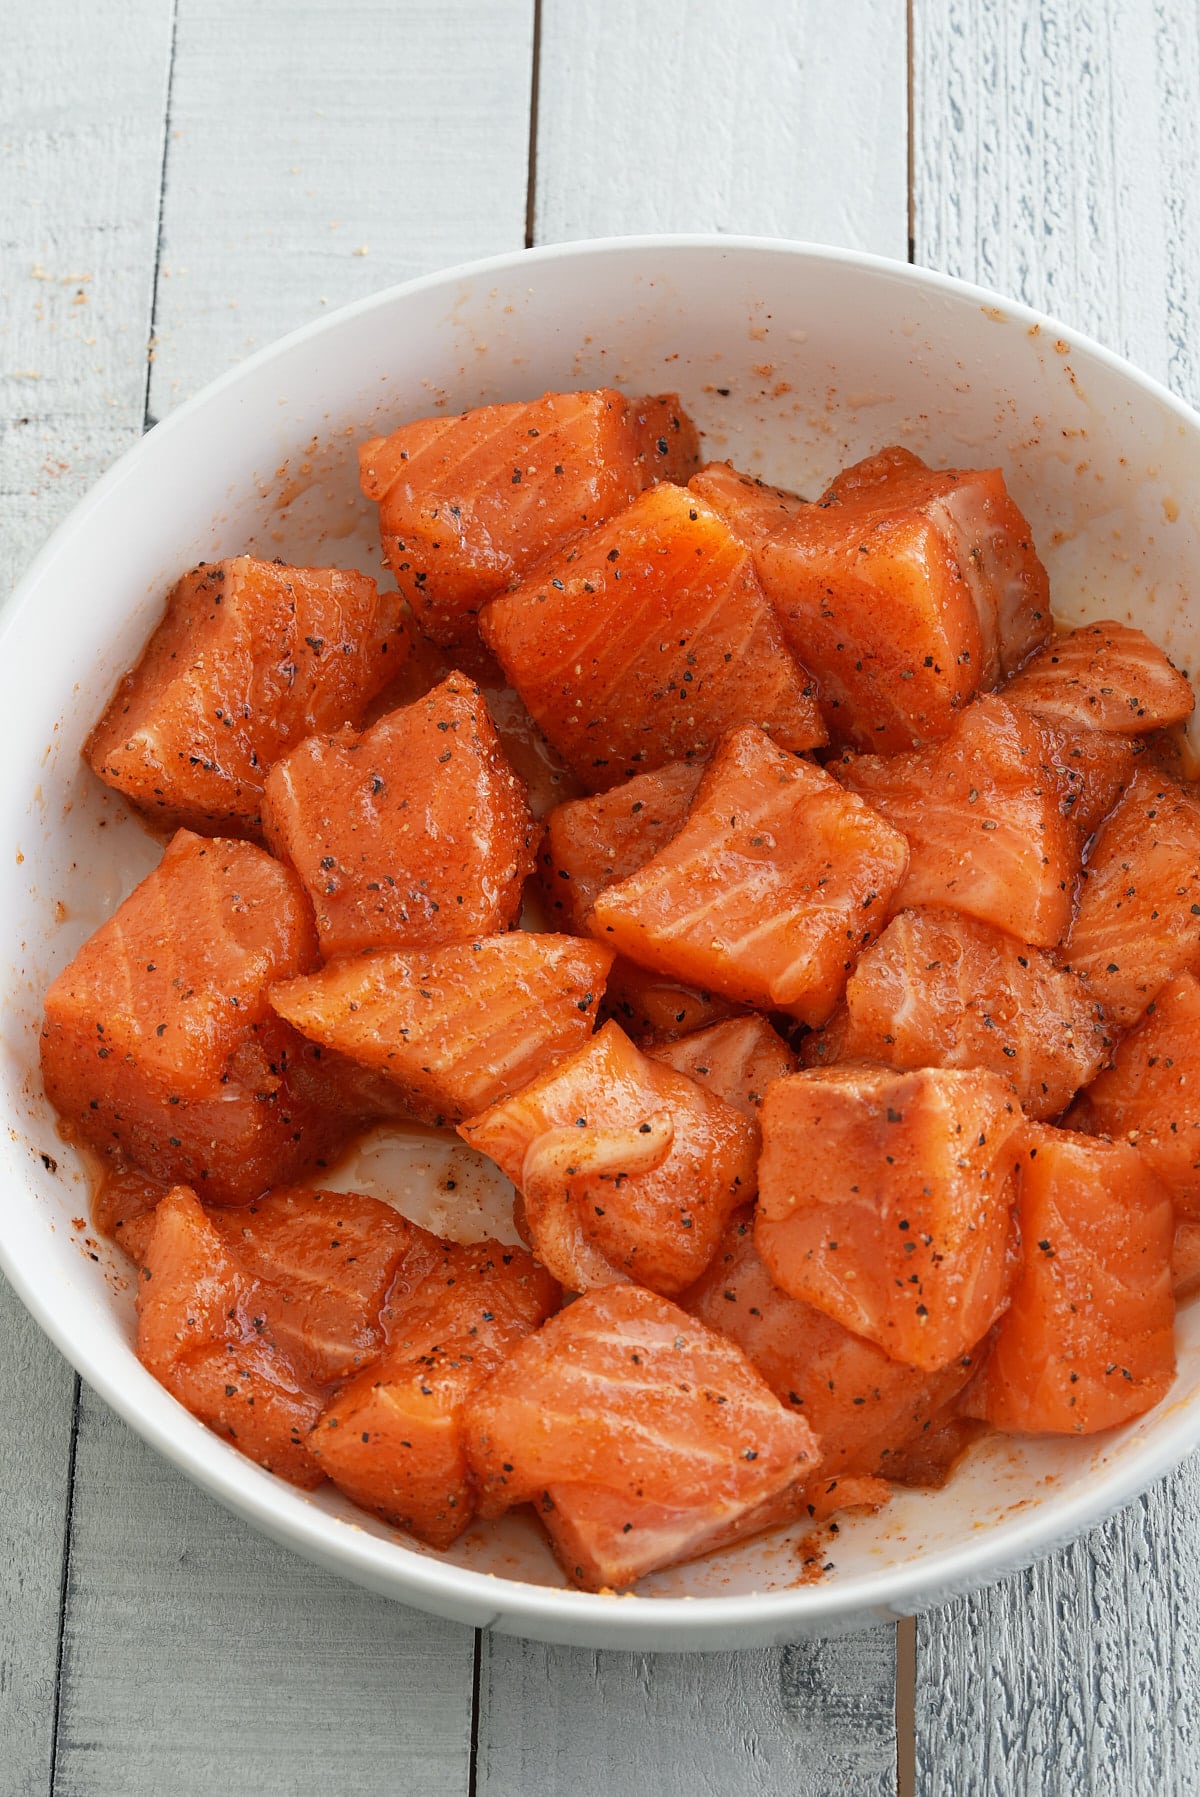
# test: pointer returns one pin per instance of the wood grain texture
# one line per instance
(82, 149)
(693, 115)
(198, 1657)
(817, 1717)
(1079, 1675)
(343, 148)
(82, 113)
(36, 1391)
(1055, 157)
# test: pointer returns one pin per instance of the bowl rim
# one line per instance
(441, 1585)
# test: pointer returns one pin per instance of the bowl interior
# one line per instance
(793, 363)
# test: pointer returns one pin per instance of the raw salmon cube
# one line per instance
(547, 779)
(753, 510)
(668, 445)
(392, 1439)
(1104, 676)
(326, 1262)
(940, 990)
(906, 591)
(1089, 768)
(642, 641)
(413, 835)
(863, 1408)
(1185, 1259)
(123, 1208)
(590, 843)
(736, 1059)
(653, 1007)
(628, 1169)
(983, 821)
(270, 1116)
(1088, 1341)
(1150, 1096)
(771, 889)
(1168, 752)
(885, 1200)
(1138, 921)
(603, 1545)
(541, 770)
(457, 1028)
(203, 1333)
(250, 657)
(467, 504)
(623, 1394)
(177, 977)
(157, 1046)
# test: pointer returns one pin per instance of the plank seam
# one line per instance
(64, 1585)
(148, 422)
(531, 177)
(476, 1682)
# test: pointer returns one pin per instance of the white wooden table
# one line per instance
(184, 180)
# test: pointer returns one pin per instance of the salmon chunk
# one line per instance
(414, 834)
(1088, 1341)
(393, 1438)
(457, 1028)
(590, 843)
(635, 1431)
(885, 1200)
(1107, 677)
(1185, 1259)
(654, 1007)
(668, 445)
(158, 1047)
(628, 1169)
(1090, 769)
(1138, 921)
(326, 1263)
(179, 974)
(984, 825)
(753, 510)
(642, 641)
(863, 1408)
(1150, 1096)
(940, 990)
(771, 889)
(906, 591)
(249, 658)
(736, 1059)
(202, 1332)
(467, 504)
(123, 1207)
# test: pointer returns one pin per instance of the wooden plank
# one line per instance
(36, 1390)
(197, 1657)
(694, 115)
(83, 128)
(341, 149)
(772, 106)
(1079, 1675)
(82, 138)
(815, 1717)
(1055, 158)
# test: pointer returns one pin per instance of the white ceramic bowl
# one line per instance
(794, 361)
